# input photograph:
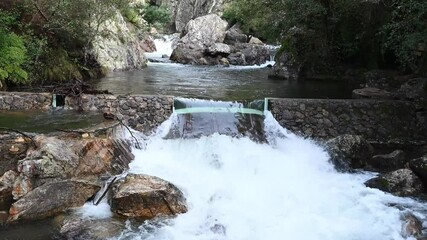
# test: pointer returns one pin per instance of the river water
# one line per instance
(218, 82)
(285, 188)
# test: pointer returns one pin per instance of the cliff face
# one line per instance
(119, 46)
(182, 11)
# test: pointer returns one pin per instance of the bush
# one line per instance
(154, 14)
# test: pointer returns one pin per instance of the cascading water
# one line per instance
(237, 188)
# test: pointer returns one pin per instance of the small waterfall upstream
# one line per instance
(238, 188)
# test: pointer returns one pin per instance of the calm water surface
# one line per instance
(219, 83)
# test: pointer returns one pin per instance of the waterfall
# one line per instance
(164, 47)
(284, 188)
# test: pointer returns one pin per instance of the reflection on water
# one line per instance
(39, 121)
(220, 83)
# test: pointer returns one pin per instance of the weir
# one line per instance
(196, 118)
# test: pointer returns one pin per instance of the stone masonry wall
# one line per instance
(25, 101)
(143, 113)
(379, 121)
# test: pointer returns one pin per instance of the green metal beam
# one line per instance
(218, 110)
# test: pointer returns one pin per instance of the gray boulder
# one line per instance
(234, 35)
(402, 182)
(51, 199)
(349, 152)
(143, 196)
(254, 54)
(387, 162)
(285, 67)
(219, 49)
(419, 167)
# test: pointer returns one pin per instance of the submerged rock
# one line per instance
(402, 182)
(349, 152)
(77, 228)
(143, 196)
(371, 93)
(387, 162)
(412, 226)
(51, 199)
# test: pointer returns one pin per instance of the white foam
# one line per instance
(100, 211)
(285, 190)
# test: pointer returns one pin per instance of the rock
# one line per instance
(146, 197)
(182, 11)
(381, 80)
(6, 186)
(349, 151)
(11, 152)
(118, 47)
(254, 54)
(51, 199)
(187, 56)
(402, 182)
(412, 226)
(204, 31)
(286, 67)
(236, 59)
(219, 49)
(256, 41)
(234, 35)
(148, 45)
(62, 157)
(388, 162)
(371, 93)
(76, 228)
(419, 167)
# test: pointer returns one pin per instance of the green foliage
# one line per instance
(347, 31)
(60, 67)
(155, 14)
(406, 33)
(13, 53)
(131, 14)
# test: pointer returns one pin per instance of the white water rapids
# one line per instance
(239, 189)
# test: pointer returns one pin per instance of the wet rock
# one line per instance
(236, 59)
(77, 228)
(6, 186)
(12, 149)
(255, 40)
(62, 157)
(146, 197)
(50, 199)
(371, 93)
(285, 67)
(402, 182)
(419, 167)
(349, 152)
(255, 54)
(413, 89)
(412, 226)
(387, 162)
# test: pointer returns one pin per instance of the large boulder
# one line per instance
(64, 157)
(146, 197)
(349, 152)
(255, 54)
(402, 182)
(387, 162)
(419, 167)
(50, 199)
(286, 67)
(118, 45)
(235, 35)
(203, 32)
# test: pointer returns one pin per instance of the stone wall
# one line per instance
(378, 121)
(25, 101)
(143, 113)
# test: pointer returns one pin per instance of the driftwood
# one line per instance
(105, 192)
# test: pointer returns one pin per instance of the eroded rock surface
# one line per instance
(402, 182)
(349, 152)
(51, 199)
(143, 196)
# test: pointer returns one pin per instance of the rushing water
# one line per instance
(215, 82)
(237, 188)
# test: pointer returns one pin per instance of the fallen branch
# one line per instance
(22, 133)
(82, 131)
(105, 192)
(138, 145)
